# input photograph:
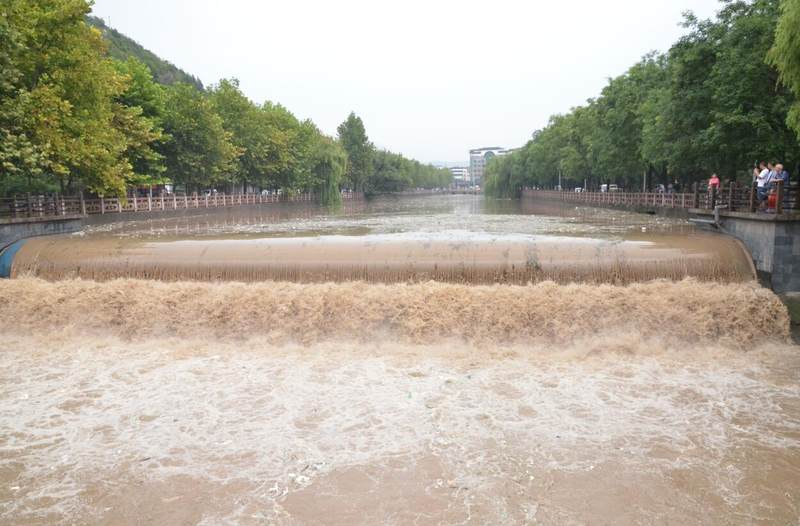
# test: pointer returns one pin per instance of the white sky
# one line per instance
(430, 78)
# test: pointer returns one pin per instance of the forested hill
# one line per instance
(121, 47)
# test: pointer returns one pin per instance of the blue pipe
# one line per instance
(7, 258)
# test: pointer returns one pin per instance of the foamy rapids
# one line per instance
(145, 402)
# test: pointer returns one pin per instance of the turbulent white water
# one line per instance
(465, 404)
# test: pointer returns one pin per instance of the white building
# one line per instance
(461, 177)
(479, 157)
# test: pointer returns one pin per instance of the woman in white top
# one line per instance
(761, 180)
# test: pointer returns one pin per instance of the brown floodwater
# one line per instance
(167, 401)
(432, 238)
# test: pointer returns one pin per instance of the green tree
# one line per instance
(712, 103)
(353, 138)
(199, 153)
(60, 113)
(249, 132)
(785, 55)
(289, 146)
(141, 119)
(392, 172)
(327, 166)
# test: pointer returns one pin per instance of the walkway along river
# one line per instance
(391, 398)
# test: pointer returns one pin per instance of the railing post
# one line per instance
(83, 204)
(119, 204)
(731, 190)
(696, 196)
(174, 201)
(102, 205)
(753, 190)
(162, 201)
(149, 203)
(779, 197)
(135, 204)
(185, 201)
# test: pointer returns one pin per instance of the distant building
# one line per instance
(461, 177)
(479, 157)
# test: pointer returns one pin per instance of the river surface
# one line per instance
(444, 238)
(133, 401)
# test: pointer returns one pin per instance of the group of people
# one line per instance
(766, 177)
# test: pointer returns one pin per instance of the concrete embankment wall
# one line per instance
(14, 230)
(13, 234)
(774, 244)
(772, 240)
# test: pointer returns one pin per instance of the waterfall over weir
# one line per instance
(442, 360)
(389, 258)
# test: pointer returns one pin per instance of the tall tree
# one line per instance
(199, 153)
(248, 129)
(141, 118)
(785, 55)
(353, 138)
(711, 104)
(327, 165)
(60, 118)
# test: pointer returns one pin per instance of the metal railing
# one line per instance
(29, 206)
(734, 197)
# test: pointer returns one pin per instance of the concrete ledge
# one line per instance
(17, 229)
(748, 215)
(43, 219)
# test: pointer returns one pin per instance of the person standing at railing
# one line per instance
(713, 182)
(761, 181)
(780, 175)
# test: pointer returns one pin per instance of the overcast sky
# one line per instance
(430, 78)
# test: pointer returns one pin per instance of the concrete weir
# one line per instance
(14, 233)
(772, 240)
(14, 230)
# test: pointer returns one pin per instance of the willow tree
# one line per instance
(328, 162)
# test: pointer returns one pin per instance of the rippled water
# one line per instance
(444, 238)
(147, 402)
(388, 215)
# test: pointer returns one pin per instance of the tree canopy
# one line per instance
(359, 150)
(712, 103)
(82, 112)
(785, 55)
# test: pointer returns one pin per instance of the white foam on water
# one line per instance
(104, 430)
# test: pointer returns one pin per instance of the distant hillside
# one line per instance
(121, 47)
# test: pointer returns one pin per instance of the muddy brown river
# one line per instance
(174, 401)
